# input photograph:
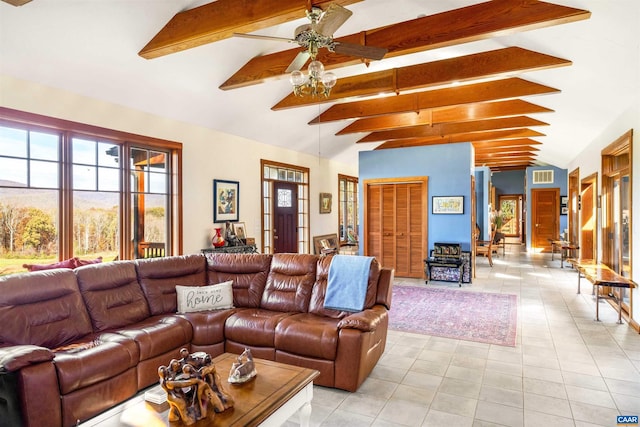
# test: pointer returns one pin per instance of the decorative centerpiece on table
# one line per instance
(218, 239)
(243, 369)
(230, 235)
(193, 387)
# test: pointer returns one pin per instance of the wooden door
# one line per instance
(395, 226)
(588, 221)
(545, 206)
(285, 217)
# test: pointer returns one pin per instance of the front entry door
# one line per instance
(285, 217)
(544, 217)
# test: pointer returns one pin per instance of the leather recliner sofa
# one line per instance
(74, 343)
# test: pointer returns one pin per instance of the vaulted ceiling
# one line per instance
(492, 73)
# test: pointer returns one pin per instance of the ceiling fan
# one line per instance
(319, 34)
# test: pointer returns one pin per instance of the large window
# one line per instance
(616, 215)
(348, 209)
(66, 191)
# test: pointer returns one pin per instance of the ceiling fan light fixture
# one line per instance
(317, 83)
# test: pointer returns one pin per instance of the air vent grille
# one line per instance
(543, 177)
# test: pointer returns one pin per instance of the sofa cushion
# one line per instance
(308, 335)
(94, 359)
(158, 278)
(248, 272)
(42, 308)
(112, 294)
(253, 326)
(159, 334)
(202, 298)
(289, 283)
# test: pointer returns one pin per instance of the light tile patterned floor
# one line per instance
(566, 369)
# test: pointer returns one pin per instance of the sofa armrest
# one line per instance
(366, 320)
(17, 357)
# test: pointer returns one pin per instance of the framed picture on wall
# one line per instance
(226, 196)
(325, 203)
(447, 204)
(564, 205)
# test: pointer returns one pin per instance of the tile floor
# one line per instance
(566, 369)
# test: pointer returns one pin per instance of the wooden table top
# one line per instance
(600, 274)
(255, 400)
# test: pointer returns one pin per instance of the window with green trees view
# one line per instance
(66, 191)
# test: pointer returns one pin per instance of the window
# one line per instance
(66, 190)
(347, 209)
(616, 216)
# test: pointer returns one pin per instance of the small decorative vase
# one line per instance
(217, 240)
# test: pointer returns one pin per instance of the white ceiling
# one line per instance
(90, 47)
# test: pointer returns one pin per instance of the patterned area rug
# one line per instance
(472, 316)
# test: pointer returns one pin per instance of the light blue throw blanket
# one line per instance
(347, 282)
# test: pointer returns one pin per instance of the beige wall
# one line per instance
(589, 162)
(207, 155)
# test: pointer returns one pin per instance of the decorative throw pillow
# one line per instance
(203, 298)
(67, 263)
(81, 262)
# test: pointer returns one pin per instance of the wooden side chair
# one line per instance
(483, 247)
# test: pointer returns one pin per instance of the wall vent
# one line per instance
(543, 177)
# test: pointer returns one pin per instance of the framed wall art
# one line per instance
(564, 205)
(240, 229)
(325, 203)
(226, 197)
(447, 204)
(325, 241)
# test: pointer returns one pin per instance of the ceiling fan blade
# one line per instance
(299, 61)
(353, 49)
(259, 37)
(332, 19)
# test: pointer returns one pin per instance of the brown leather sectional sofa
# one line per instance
(76, 342)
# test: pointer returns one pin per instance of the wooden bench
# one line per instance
(601, 275)
(566, 249)
(448, 255)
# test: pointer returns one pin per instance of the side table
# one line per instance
(240, 249)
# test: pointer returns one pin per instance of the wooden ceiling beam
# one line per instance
(510, 168)
(515, 162)
(463, 137)
(509, 88)
(505, 143)
(506, 150)
(17, 2)
(453, 128)
(494, 63)
(220, 19)
(463, 25)
(458, 113)
(511, 156)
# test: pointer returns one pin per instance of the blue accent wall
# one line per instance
(449, 168)
(508, 182)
